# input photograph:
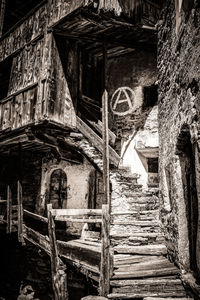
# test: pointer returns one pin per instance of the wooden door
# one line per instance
(58, 188)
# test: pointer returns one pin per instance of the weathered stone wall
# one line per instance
(135, 119)
(178, 75)
(133, 71)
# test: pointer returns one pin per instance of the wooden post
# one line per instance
(9, 210)
(105, 134)
(20, 212)
(58, 275)
(2, 14)
(104, 282)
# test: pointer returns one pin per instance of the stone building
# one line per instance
(99, 151)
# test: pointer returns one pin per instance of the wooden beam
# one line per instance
(35, 216)
(98, 126)
(104, 282)
(105, 133)
(2, 14)
(9, 210)
(78, 220)
(58, 275)
(20, 212)
(76, 212)
(96, 140)
(36, 238)
(52, 239)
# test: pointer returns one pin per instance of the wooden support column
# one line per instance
(19, 198)
(2, 14)
(9, 210)
(105, 133)
(104, 283)
(57, 273)
(20, 212)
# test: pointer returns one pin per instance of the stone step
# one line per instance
(174, 298)
(150, 296)
(146, 250)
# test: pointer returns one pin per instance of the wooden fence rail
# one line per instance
(51, 244)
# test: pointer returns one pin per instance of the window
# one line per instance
(152, 165)
(5, 71)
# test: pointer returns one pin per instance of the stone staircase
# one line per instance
(141, 268)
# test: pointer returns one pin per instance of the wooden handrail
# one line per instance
(76, 212)
(78, 220)
(96, 140)
(35, 216)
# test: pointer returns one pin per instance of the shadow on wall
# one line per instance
(186, 152)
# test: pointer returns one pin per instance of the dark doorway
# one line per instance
(58, 188)
(187, 160)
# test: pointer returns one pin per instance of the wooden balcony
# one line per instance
(31, 106)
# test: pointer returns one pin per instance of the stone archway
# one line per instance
(58, 188)
(186, 152)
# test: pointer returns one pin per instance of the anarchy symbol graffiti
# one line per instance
(122, 101)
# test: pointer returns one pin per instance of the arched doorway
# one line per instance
(58, 188)
(187, 161)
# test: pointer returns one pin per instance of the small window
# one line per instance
(152, 165)
(5, 71)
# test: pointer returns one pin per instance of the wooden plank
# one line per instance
(146, 273)
(36, 238)
(146, 282)
(146, 250)
(53, 252)
(99, 127)
(2, 14)
(133, 259)
(9, 210)
(35, 216)
(154, 296)
(104, 282)
(158, 298)
(20, 212)
(80, 253)
(76, 212)
(76, 220)
(106, 176)
(168, 290)
(52, 240)
(147, 265)
(96, 140)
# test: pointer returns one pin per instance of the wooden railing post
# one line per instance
(104, 283)
(58, 275)
(20, 212)
(9, 210)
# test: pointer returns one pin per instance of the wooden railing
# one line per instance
(55, 248)
(19, 109)
(96, 140)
